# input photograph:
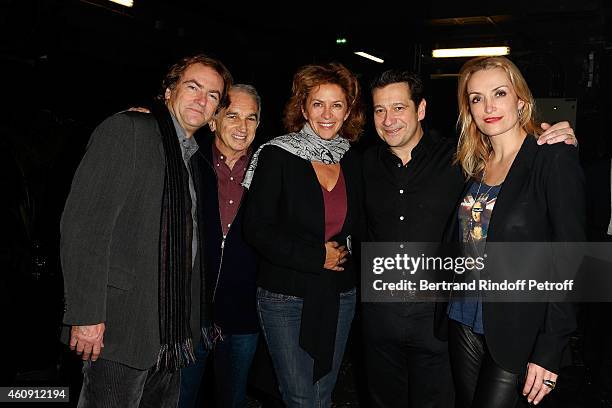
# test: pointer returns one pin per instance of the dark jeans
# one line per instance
(280, 317)
(479, 381)
(232, 359)
(406, 365)
(107, 384)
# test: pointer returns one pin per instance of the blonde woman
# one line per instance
(505, 353)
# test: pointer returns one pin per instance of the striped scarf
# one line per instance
(174, 253)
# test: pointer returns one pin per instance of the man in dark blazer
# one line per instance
(130, 245)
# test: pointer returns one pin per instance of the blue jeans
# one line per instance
(280, 318)
(232, 359)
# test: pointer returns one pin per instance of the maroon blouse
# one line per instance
(335, 207)
(228, 184)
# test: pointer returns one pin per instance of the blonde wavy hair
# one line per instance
(474, 147)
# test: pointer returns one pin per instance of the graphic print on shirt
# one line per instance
(474, 216)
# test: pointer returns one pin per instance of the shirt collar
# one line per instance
(426, 144)
(188, 144)
(424, 147)
(220, 157)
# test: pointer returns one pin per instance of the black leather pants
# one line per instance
(479, 381)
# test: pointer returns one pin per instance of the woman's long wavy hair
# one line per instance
(474, 147)
(307, 79)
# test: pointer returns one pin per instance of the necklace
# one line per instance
(479, 205)
(478, 197)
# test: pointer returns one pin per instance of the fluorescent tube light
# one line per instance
(369, 56)
(470, 52)
(443, 76)
(126, 3)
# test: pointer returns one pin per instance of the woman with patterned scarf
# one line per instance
(304, 218)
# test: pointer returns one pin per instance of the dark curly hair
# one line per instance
(176, 70)
(308, 78)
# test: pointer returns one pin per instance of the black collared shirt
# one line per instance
(412, 202)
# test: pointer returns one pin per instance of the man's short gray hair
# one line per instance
(249, 89)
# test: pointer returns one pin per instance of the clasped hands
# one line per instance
(335, 256)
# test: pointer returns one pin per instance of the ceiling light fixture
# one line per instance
(126, 3)
(369, 56)
(470, 52)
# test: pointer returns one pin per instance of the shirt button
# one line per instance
(221, 157)
(399, 165)
(231, 201)
(401, 191)
(217, 164)
(401, 218)
(231, 178)
(229, 225)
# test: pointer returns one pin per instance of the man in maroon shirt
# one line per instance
(234, 130)
(229, 263)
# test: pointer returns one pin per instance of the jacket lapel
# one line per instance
(348, 185)
(518, 173)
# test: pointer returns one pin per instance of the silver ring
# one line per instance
(550, 384)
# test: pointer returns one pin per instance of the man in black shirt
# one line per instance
(411, 190)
